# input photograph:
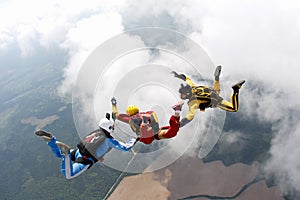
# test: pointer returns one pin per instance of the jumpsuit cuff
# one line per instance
(53, 140)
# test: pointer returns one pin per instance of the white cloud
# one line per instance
(5, 40)
(253, 40)
(265, 103)
(47, 23)
(285, 155)
(232, 137)
(258, 41)
(26, 40)
(84, 38)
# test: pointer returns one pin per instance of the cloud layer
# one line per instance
(254, 40)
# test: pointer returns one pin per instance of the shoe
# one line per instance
(178, 106)
(237, 86)
(44, 135)
(217, 72)
(65, 149)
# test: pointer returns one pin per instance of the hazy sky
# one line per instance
(252, 39)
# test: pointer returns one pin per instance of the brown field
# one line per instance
(190, 176)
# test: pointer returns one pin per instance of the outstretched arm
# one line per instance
(189, 81)
(122, 117)
(114, 108)
(122, 146)
(180, 76)
(184, 78)
(193, 107)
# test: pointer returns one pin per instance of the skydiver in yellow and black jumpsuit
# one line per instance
(203, 97)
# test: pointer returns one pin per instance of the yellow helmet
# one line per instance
(132, 110)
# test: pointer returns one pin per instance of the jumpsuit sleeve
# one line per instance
(193, 107)
(189, 81)
(115, 111)
(122, 117)
(120, 145)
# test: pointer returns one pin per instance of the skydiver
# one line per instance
(78, 160)
(145, 124)
(203, 97)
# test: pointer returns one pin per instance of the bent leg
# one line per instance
(54, 148)
(170, 131)
(232, 106)
(217, 86)
(71, 170)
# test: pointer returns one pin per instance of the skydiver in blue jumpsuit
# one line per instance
(77, 161)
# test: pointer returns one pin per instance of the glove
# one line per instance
(180, 76)
(175, 73)
(113, 101)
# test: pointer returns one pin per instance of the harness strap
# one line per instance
(83, 151)
(84, 161)
(208, 95)
(73, 158)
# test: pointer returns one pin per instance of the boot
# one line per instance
(217, 72)
(237, 86)
(65, 149)
(44, 135)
